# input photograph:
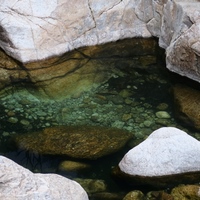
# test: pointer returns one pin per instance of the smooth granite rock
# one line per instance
(18, 183)
(33, 30)
(166, 151)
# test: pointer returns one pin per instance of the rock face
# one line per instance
(75, 141)
(166, 152)
(187, 105)
(32, 31)
(177, 24)
(21, 184)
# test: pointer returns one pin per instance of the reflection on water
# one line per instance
(135, 99)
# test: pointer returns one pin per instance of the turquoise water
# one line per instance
(128, 101)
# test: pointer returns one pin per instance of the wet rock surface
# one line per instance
(129, 101)
(186, 192)
(187, 105)
(76, 142)
(50, 31)
(77, 71)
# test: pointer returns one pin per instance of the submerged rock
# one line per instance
(92, 185)
(75, 141)
(73, 166)
(167, 157)
(134, 195)
(186, 192)
(187, 105)
(20, 183)
(107, 196)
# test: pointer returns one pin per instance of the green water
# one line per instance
(128, 101)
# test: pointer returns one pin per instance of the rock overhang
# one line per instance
(33, 32)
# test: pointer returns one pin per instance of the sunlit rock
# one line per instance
(187, 105)
(20, 183)
(167, 157)
(34, 30)
(75, 141)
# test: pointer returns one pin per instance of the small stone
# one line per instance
(162, 106)
(24, 122)
(13, 120)
(159, 195)
(125, 93)
(147, 123)
(134, 195)
(92, 185)
(5, 134)
(11, 113)
(73, 166)
(186, 192)
(163, 115)
(126, 117)
(163, 122)
(128, 101)
(116, 99)
(41, 113)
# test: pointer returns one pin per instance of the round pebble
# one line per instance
(13, 120)
(24, 122)
(163, 115)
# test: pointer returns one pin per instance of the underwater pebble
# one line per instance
(148, 123)
(5, 134)
(13, 120)
(24, 122)
(10, 113)
(126, 117)
(92, 185)
(162, 106)
(163, 115)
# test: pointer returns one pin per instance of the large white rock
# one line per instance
(166, 151)
(18, 183)
(31, 30)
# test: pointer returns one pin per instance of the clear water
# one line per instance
(109, 105)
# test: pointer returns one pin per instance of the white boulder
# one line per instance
(31, 30)
(18, 183)
(167, 151)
